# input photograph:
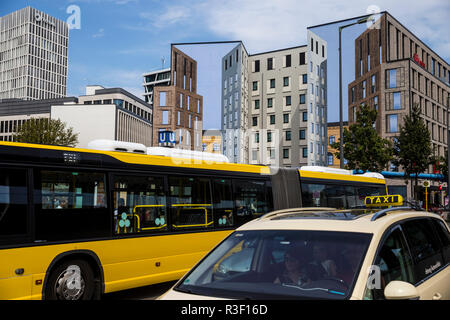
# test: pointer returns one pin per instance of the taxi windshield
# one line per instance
(280, 264)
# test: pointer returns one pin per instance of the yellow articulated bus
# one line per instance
(77, 223)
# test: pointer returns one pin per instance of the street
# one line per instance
(142, 293)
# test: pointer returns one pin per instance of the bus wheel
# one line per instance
(71, 280)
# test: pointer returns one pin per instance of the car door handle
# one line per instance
(437, 296)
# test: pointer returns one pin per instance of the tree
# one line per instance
(412, 148)
(363, 148)
(46, 131)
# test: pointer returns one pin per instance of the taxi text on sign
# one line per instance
(388, 200)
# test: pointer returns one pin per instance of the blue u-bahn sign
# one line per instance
(166, 137)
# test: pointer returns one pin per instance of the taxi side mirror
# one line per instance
(401, 290)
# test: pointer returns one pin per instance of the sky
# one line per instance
(119, 40)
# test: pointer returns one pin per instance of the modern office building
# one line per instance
(112, 114)
(154, 79)
(394, 70)
(177, 107)
(33, 55)
(334, 136)
(274, 107)
(14, 112)
(235, 104)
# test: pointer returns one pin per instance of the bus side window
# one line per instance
(70, 205)
(139, 204)
(191, 203)
(13, 203)
(250, 200)
(223, 203)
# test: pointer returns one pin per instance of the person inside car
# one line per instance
(295, 268)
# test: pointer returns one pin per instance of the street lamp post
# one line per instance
(448, 151)
(341, 123)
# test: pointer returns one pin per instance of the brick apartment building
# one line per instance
(394, 70)
(177, 107)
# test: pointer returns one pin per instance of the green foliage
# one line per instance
(364, 149)
(46, 131)
(412, 148)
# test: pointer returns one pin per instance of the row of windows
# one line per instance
(286, 61)
(185, 101)
(429, 88)
(272, 82)
(316, 47)
(415, 52)
(75, 204)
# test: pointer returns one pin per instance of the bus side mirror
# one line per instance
(400, 290)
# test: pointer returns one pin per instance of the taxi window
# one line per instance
(267, 264)
(424, 246)
(393, 262)
(444, 237)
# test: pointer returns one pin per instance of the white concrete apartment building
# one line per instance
(274, 108)
(33, 55)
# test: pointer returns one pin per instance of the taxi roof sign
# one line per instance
(381, 201)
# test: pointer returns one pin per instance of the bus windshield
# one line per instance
(280, 264)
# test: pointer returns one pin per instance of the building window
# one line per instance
(375, 103)
(255, 85)
(305, 78)
(311, 66)
(353, 94)
(165, 117)
(286, 118)
(162, 98)
(391, 80)
(257, 137)
(288, 135)
(331, 139)
(323, 51)
(373, 84)
(269, 102)
(330, 159)
(269, 136)
(302, 134)
(256, 65)
(255, 121)
(302, 99)
(285, 153)
(302, 58)
(272, 119)
(272, 153)
(397, 100)
(392, 124)
(288, 100)
(288, 60)
(285, 81)
(256, 104)
(305, 116)
(305, 152)
(364, 89)
(270, 64)
(272, 83)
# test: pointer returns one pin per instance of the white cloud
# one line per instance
(271, 24)
(171, 15)
(99, 34)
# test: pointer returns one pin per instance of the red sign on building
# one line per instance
(420, 62)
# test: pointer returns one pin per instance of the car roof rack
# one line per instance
(294, 210)
(384, 212)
